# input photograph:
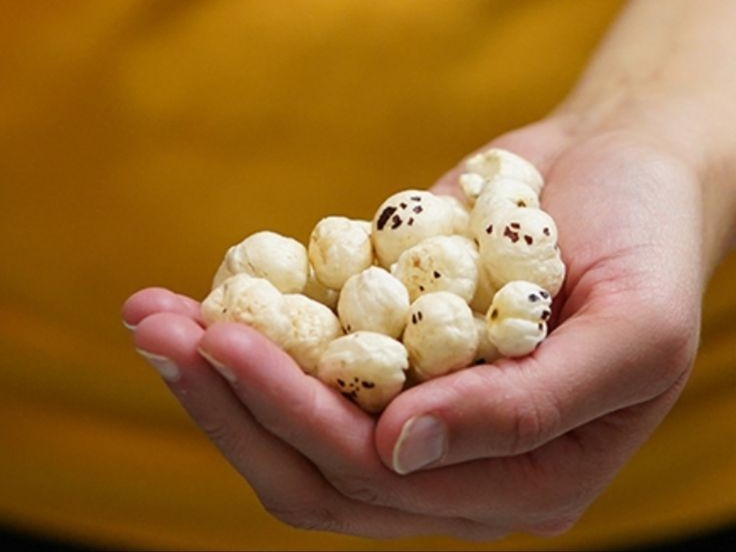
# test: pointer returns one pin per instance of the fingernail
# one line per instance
(130, 327)
(224, 371)
(423, 441)
(163, 365)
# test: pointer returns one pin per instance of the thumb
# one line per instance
(579, 373)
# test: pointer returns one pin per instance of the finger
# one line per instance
(156, 299)
(333, 432)
(288, 485)
(338, 438)
(579, 373)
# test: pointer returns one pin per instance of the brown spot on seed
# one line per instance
(421, 288)
(403, 205)
(528, 239)
(436, 274)
(545, 231)
(418, 209)
(540, 326)
(419, 315)
(340, 382)
(494, 314)
(513, 236)
(416, 198)
(395, 222)
(410, 222)
(515, 225)
(520, 203)
(413, 318)
(385, 216)
(543, 293)
(533, 297)
(489, 229)
(368, 384)
(545, 314)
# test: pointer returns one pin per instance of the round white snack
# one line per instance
(248, 300)
(460, 214)
(498, 195)
(312, 327)
(521, 244)
(279, 259)
(441, 335)
(484, 292)
(487, 352)
(373, 300)
(405, 219)
(496, 163)
(517, 318)
(440, 263)
(366, 367)
(319, 292)
(338, 248)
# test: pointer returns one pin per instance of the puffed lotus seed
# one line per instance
(440, 263)
(248, 300)
(460, 215)
(486, 352)
(320, 293)
(279, 259)
(521, 244)
(338, 248)
(517, 318)
(496, 163)
(440, 335)
(373, 300)
(365, 367)
(499, 195)
(312, 327)
(405, 219)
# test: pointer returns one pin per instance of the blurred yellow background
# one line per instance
(138, 140)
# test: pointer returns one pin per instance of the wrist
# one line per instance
(687, 124)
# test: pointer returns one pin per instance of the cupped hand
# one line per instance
(519, 445)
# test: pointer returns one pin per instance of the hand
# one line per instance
(519, 445)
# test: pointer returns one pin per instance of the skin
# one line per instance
(642, 184)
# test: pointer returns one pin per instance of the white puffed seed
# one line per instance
(517, 318)
(373, 300)
(320, 293)
(440, 263)
(460, 214)
(248, 300)
(440, 335)
(496, 163)
(487, 352)
(405, 219)
(521, 244)
(312, 327)
(279, 259)
(338, 248)
(499, 195)
(367, 368)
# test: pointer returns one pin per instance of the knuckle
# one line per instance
(359, 488)
(312, 517)
(530, 419)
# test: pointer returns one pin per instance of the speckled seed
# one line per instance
(365, 367)
(522, 245)
(312, 327)
(373, 300)
(440, 335)
(338, 248)
(517, 318)
(440, 263)
(499, 195)
(248, 300)
(279, 259)
(405, 219)
(496, 163)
